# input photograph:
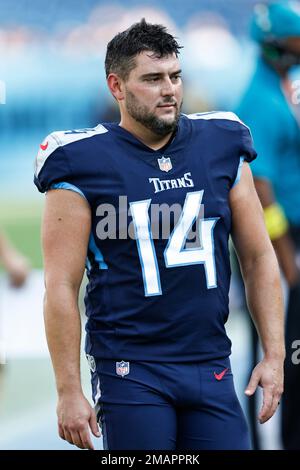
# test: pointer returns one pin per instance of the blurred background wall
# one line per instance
(52, 78)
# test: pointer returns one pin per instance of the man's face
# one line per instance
(153, 92)
(293, 45)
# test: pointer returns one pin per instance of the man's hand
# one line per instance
(269, 375)
(75, 417)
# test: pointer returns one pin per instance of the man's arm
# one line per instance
(261, 275)
(65, 234)
(283, 244)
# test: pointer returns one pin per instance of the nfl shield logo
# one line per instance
(122, 368)
(165, 164)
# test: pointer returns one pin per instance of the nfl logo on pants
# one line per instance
(122, 368)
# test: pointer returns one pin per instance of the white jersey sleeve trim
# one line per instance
(62, 138)
(227, 115)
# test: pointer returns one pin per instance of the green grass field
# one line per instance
(21, 222)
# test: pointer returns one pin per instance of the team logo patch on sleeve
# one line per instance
(165, 164)
(122, 368)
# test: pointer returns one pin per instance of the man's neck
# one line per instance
(149, 138)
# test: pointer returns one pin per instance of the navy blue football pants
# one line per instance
(169, 406)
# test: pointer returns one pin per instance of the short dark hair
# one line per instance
(142, 36)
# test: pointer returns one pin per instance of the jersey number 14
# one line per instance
(175, 253)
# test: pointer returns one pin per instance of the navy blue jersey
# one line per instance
(155, 293)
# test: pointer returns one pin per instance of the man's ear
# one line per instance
(116, 86)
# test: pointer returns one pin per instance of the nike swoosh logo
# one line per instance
(221, 375)
(44, 147)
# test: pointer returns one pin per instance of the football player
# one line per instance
(157, 300)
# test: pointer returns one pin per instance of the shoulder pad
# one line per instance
(61, 138)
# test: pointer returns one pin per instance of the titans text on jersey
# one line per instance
(154, 299)
(161, 185)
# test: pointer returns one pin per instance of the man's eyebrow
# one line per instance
(159, 74)
(177, 72)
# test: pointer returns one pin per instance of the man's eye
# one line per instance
(176, 77)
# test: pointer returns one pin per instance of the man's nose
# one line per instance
(168, 88)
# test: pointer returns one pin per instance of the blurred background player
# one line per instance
(14, 263)
(17, 268)
(270, 106)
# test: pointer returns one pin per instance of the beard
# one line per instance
(155, 124)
